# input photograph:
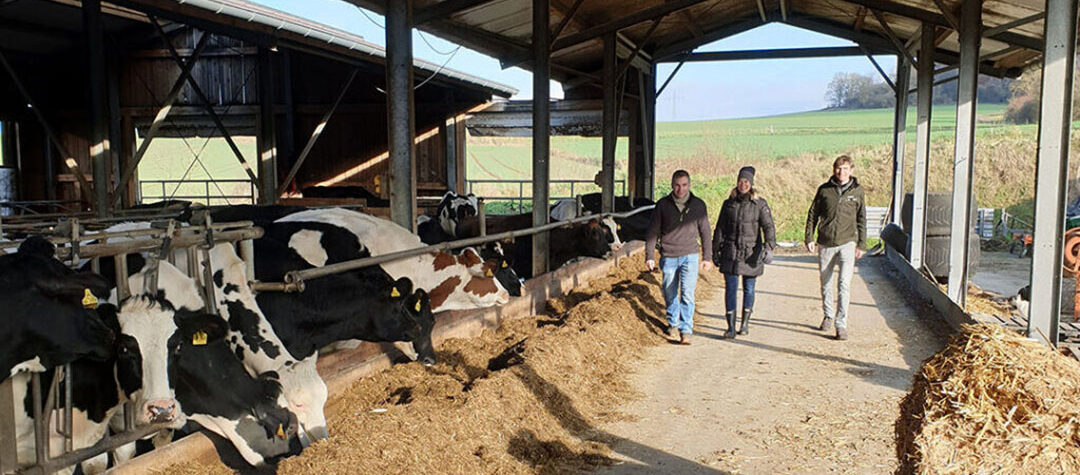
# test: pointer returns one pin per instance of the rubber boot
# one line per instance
(744, 325)
(730, 325)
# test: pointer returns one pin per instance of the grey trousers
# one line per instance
(828, 258)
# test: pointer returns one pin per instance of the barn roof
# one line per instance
(664, 30)
(51, 25)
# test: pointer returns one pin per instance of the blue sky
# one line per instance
(700, 91)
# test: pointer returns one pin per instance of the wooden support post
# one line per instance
(609, 129)
(903, 77)
(1051, 170)
(647, 103)
(963, 157)
(922, 147)
(99, 125)
(400, 119)
(266, 141)
(541, 146)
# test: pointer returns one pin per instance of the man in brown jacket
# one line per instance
(679, 221)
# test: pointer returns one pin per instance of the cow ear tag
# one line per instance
(88, 300)
(280, 432)
(488, 273)
(618, 227)
(505, 265)
(199, 338)
(417, 306)
(394, 292)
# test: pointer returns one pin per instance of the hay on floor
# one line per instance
(992, 402)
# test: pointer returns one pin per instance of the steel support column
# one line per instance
(609, 129)
(903, 76)
(963, 156)
(541, 146)
(266, 140)
(922, 146)
(1051, 170)
(99, 122)
(399, 110)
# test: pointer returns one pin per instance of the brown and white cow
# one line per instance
(453, 281)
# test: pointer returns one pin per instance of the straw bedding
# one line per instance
(526, 398)
(992, 402)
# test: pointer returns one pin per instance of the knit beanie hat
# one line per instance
(748, 173)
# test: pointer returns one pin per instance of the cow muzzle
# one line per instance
(161, 410)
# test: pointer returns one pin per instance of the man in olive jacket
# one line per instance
(679, 221)
(838, 214)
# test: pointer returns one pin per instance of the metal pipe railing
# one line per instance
(297, 277)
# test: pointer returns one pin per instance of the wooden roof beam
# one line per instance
(444, 9)
(674, 49)
(860, 18)
(1013, 24)
(938, 19)
(949, 15)
(761, 11)
(640, 16)
(567, 17)
(777, 53)
(783, 9)
(892, 36)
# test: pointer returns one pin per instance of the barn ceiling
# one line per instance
(664, 30)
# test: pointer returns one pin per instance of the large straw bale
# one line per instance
(992, 402)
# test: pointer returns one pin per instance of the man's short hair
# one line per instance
(679, 174)
(842, 160)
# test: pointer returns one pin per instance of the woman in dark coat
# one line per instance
(742, 244)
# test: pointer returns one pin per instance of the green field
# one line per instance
(793, 154)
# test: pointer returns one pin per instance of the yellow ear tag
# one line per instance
(394, 292)
(280, 432)
(488, 273)
(618, 227)
(417, 306)
(88, 300)
(199, 338)
(505, 265)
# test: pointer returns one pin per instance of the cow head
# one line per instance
(153, 334)
(51, 316)
(501, 266)
(455, 208)
(419, 305)
(611, 232)
(593, 239)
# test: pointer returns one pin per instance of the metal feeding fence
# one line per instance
(519, 192)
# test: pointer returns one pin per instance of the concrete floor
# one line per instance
(786, 398)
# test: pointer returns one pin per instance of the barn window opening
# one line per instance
(197, 169)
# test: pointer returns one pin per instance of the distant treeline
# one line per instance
(858, 91)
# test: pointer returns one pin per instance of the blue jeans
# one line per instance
(731, 291)
(680, 298)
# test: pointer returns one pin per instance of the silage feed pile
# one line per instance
(526, 398)
(992, 402)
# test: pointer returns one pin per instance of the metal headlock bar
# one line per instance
(294, 280)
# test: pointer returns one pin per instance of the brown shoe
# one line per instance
(684, 339)
(826, 324)
(841, 333)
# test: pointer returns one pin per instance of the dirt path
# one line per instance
(785, 398)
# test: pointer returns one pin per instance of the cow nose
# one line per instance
(160, 411)
(428, 361)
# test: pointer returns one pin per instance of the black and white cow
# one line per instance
(250, 335)
(453, 281)
(49, 317)
(363, 304)
(452, 210)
